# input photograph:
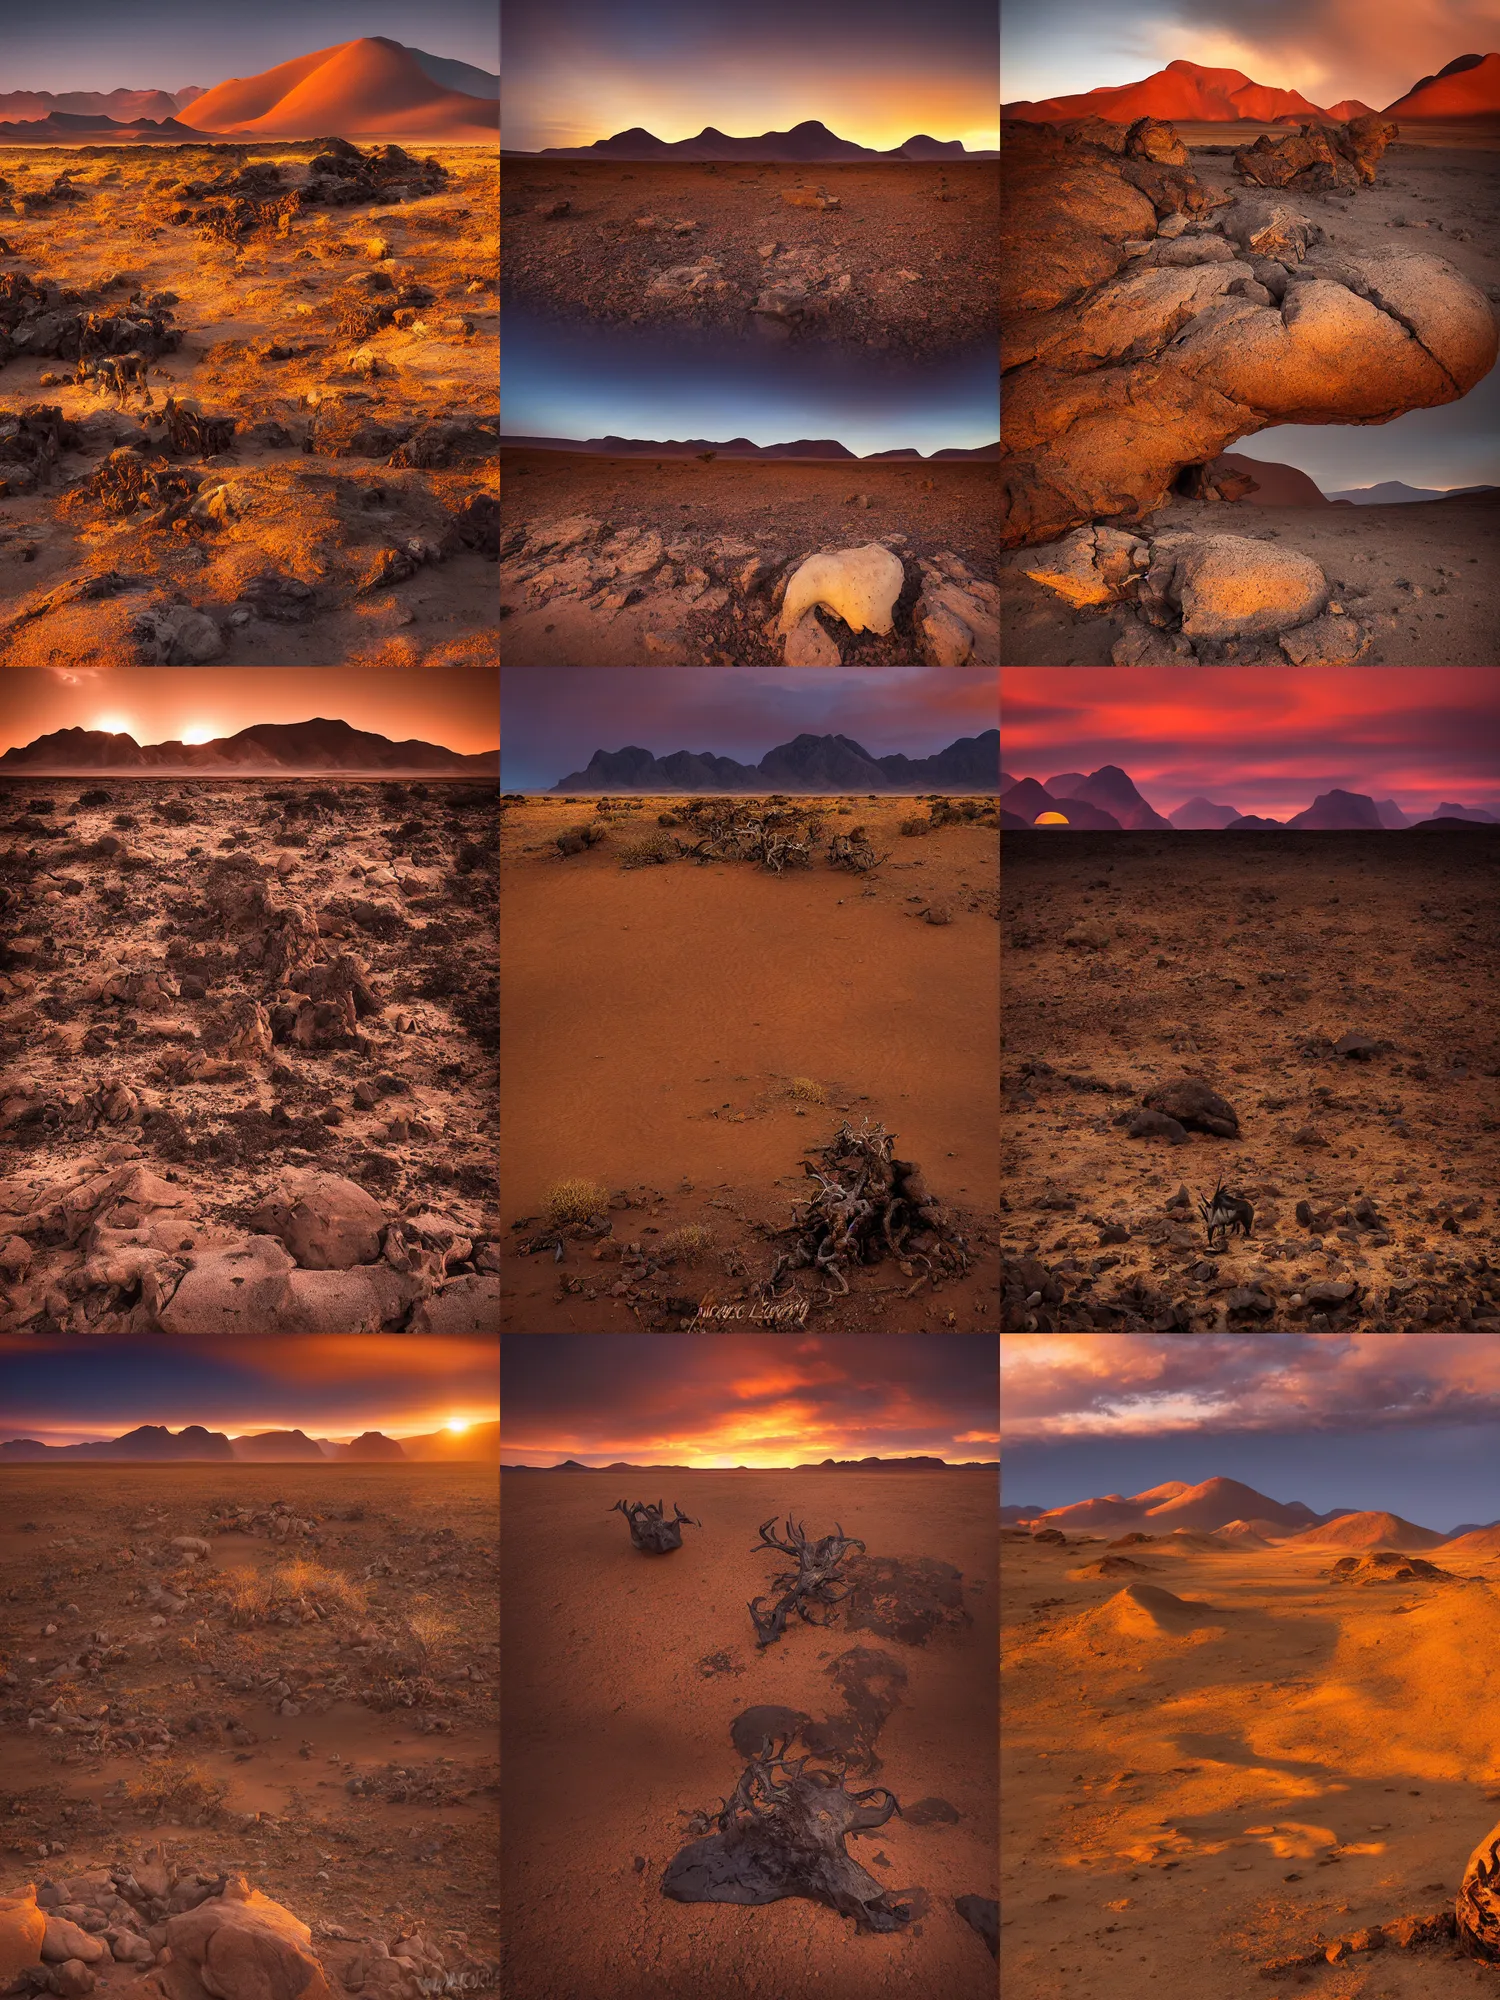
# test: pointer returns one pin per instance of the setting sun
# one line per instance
(457, 1424)
(198, 732)
(115, 725)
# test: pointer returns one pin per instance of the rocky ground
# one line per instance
(679, 986)
(1133, 960)
(1178, 308)
(291, 1677)
(327, 329)
(899, 256)
(249, 1040)
(629, 562)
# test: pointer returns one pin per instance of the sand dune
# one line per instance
(1478, 1543)
(371, 88)
(1366, 1531)
(1145, 1610)
(1245, 1534)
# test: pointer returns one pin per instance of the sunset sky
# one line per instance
(1264, 739)
(169, 44)
(756, 1400)
(63, 1391)
(874, 71)
(452, 706)
(1374, 50)
(593, 382)
(555, 718)
(1408, 1423)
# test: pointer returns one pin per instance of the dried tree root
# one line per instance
(868, 1206)
(819, 1578)
(652, 1533)
(1477, 1910)
(781, 1832)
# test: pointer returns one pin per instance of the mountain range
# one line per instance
(154, 1443)
(316, 745)
(1226, 1506)
(1107, 801)
(807, 764)
(823, 1465)
(1396, 493)
(810, 141)
(618, 447)
(1467, 87)
(371, 87)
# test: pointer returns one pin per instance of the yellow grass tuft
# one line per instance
(574, 1201)
(807, 1088)
(689, 1242)
(300, 1577)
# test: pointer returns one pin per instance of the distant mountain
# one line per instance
(479, 1441)
(1468, 87)
(1391, 815)
(740, 447)
(1113, 792)
(1198, 815)
(1349, 107)
(1449, 811)
(150, 1441)
(1276, 485)
(1212, 1504)
(123, 106)
(367, 88)
(1013, 822)
(1367, 1531)
(1027, 800)
(1181, 91)
(370, 1446)
(316, 745)
(803, 144)
(94, 128)
(807, 764)
(1249, 822)
(1066, 783)
(1336, 811)
(278, 1446)
(1395, 492)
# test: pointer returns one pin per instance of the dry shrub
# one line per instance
(430, 1629)
(913, 827)
(574, 1201)
(178, 1789)
(300, 1577)
(249, 1595)
(808, 1089)
(689, 1243)
(647, 850)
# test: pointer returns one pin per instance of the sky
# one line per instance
(451, 706)
(169, 44)
(1374, 50)
(63, 1391)
(1457, 444)
(555, 718)
(1265, 739)
(577, 381)
(874, 71)
(758, 1400)
(1407, 1423)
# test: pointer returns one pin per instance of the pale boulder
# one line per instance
(22, 1929)
(326, 1222)
(470, 1304)
(1229, 587)
(1090, 566)
(364, 1299)
(64, 1940)
(1325, 642)
(231, 1291)
(242, 1946)
(859, 585)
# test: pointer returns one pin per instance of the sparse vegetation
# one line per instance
(574, 1201)
(646, 850)
(808, 1089)
(687, 1244)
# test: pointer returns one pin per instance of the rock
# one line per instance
(1153, 139)
(570, 533)
(326, 1222)
(72, 1978)
(23, 1926)
(1278, 233)
(1330, 1292)
(242, 1946)
(1325, 642)
(130, 1949)
(1477, 1908)
(938, 913)
(231, 1291)
(549, 210)
(1308, 1135)
(362, 1299)
(1360, 1047)
(64, 1940)
(1140, 646)
(860, 585)
(1195, 1103)
(1319, 157)
(174, 635)
(1091, 566)
(470, 1304)
(947, 610)
(1229, 587)
(15, 1257)
(1251, 1299)
(1155, 1125)
(808, 644)
(193, 1543)
(946, 639)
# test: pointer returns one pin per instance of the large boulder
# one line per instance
(22, 1929)
(231, 1291)
(326, 1222)
(1121, 372)
(1154, 139)
(470, 1304)
(1196, 1104)
(241, 1945)
(369, 1298)
(64, 1940)
(860, 585)
(1090, 566)
(1228, 587)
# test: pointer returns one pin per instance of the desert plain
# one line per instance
(1219, 1761)
(212, 987)
(303, 1692)
(814, 996)
(248, 404)
(1243, 958)
(623, 1674)
(638, 561)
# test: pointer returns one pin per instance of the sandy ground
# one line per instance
(79, 1548)
(712, 520)
(686, 980)
(321, 516)
(622, 1674)
(1189, 1797)
(1240, 957)
(1388, 564)
(400, 877)
(908, 262)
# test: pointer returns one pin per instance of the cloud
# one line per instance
(1121, 1386)
(74, 676)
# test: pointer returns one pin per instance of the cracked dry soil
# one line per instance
(141, 1025)
(364, 1797)
(1130, 960)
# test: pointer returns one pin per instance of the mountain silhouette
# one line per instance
(740, 447)
(1183, 90)
(1339, 812)
(1026, 801)
(316, 745)
(807, 764)
(1199, 815)
(149, 1441)
(810, 141)
(277, 1446)
(1468, 87)
(371, 1445)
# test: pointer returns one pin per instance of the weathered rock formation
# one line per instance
(1146, 328)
